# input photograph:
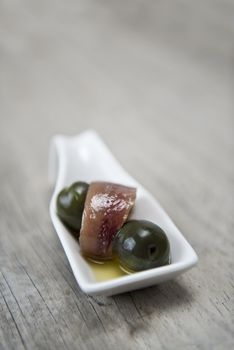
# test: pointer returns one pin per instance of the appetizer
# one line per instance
(98, 214)
(141, 245)
(106, 209)
(70, 205)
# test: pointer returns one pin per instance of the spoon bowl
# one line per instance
(86, 158)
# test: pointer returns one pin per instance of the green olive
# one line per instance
(70, 204)
(141, 245)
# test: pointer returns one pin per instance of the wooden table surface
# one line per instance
(155, 79)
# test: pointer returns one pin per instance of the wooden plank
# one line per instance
(155, 79)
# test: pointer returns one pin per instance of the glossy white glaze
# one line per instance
(86, 158)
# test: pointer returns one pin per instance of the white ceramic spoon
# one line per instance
(86, 158)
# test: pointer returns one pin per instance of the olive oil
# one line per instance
(106, 270)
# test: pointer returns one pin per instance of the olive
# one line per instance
(70, 204)
(141, 245)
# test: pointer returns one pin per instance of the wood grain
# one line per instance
(155, 79)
